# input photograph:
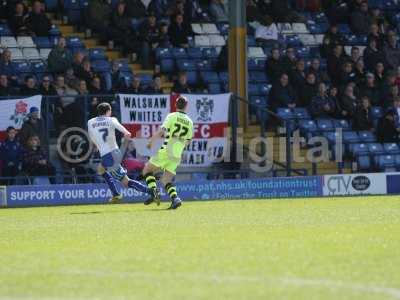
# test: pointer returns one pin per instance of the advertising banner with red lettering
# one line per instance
(143, 114)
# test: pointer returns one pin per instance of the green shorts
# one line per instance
(164, 162)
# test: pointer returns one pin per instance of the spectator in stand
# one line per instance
(37, 21)
(374, 33)
(180, 85)
(179, 31)
(29, 88)
(182, 7)
(274, 66)
(155, 87)
(70, 78)
(363, 116)
(148, 34)
(163, 39)
(322, 105)
(33, 126)
(298, 76)
(60, 58)
(346, 75)
(372, 55)
(96, 88)
(349, 102)
(11, 154)
(387, 131)
(68, 112)
(391, 96)
(6, 66)
(359, 71)
(331, 39)
(218, 11)
(35, 161)
(5, 88)
(309, 90)
(267, 33)
(85, 72)
(135, 87)
(282, 94)
(46, 88)
(18, 21)
(135, 9)
(283, 13)
(133, 161)
(83, 96)
(116, 78)
(377, 17)
(334, 63)
(289, 61)
(121, 32)
(315, 68)
(97, 16)
(77, 61)
(355, 55)
(158, 7)
(360, 19)
(392, 51)
(371, 91)
(380, 74)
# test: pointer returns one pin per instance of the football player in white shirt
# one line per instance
(102, 133)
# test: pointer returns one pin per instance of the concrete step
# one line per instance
(113, 54)
(67, 30)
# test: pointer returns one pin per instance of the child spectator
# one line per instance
(11, 155)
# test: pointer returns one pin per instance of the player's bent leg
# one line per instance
(171, 189)
(116, 196)
(134, 184)
(148, 174)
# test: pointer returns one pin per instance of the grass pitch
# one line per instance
(344, 248)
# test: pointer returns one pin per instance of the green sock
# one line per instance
(171, 190)
(150, 181)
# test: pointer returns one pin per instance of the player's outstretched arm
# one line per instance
(122, 129)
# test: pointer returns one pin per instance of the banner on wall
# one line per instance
(143, 114)
(14, 112)
(68, 194)
(355, 184)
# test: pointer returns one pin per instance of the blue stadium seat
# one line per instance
(308, 128)
(251, 41)
(303, 52)
(205, 65)
(351, 137)
(179, 53)
(285, 113)
(146, 79)
(385, 163)
(210, 53)
(359, 149)
(351, 39)
(42, 42)
(210, 77)
(376, 112)
(71, 4)
(123, 65)
(163, 53)
(344, 28)
(21, 66)
(192, 78)
(301, 113)
(318, 28)
(214, 88)
(38, 66)
(5, 30)
(253, 89)
(223, 77)
(97, 54)
(391, 148)
(54, 31)
(252, 64)
(74, 42)
(195, 53)
(367, 137)
(320, 17)
(376, 149)
(325, 125)
(362, 40)
(344, 124)
(101, 66)
(167, 65)
(293, 41)
(258, 77)
(264, 89)
(259, 101)
(363, 163)
(223, 28)
(186, 65)
(261, 64)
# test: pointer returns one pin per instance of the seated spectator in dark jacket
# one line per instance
(218, 11)
(180, 85)
(33, 126)
(77, 61)
(18, 21)
(363, 116)
(85, 72)
(375, 33)
(135, 87)
(155, 87)
(347, 74)
(315, 68)
(37, 21)
(386, 131)
(11, 154)
(355, 55)
(97, 16)
(5, 88)
(117, 81)
(370, 90)
(46, 88)
(135, 9)
(282, 94)
(349, 101)
(334, 63)
(60, 58)
(283, 12)
(35, 161)
(6, 65)
(298, 76)
(392, 51)
(360, 19)
(360, 72)
(372, 55)
(148, 34)
(380, 75)
(179, 31)
(163, 39)
(309, 90)
(158, 7)
(29, 87)
(288, 61)
(274, 66)
(390, 96)
(322, 105)
(331, 38)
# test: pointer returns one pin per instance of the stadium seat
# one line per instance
(264, 89)
(145, 79)
(377, 112)
(363, 163)
(258, 77)
(308, 128)
(97, 54)
(343, 124)
(186, 65)
(252, 64)
(123, 65)
(197, 29)
(285, 28)
(194, 53)
(223, 28)
(163, 53)
(38, 66)
(351, 137)
(30, 53)
(101, 66)
(251, 41)
(376, 149)
(256, 52)
(167, 65)
(367, 137)
(74, 42)
(71, 4)
(5, 30)
(204, 65)
(16, 54)
(210, 28)
(210, 77)
(54, 31)
(8, 42)
(217, 40)
(285, 113)
(202, 41)
(223, 77)
(385, 163)
(301, 113)
(210, 53)
(42, 42)
(299, 28)
(179, 53)
(44, 53)
(307, 39)
(359, 149)
(391, 148)
(325, 125)
(253, 90)
(25, 42)
(21, 66)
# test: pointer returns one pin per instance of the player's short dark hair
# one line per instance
(9, 128)
(103, 108)
(181, 102)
